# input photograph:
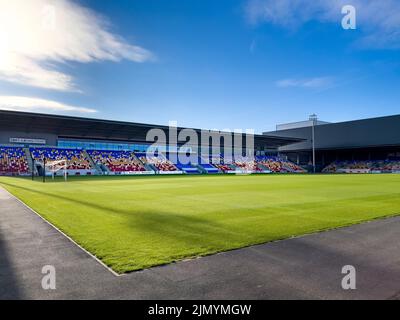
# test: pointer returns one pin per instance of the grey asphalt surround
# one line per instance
(307, 267)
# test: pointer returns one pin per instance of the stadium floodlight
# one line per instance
(314, 119)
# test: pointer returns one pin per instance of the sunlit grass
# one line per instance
(132, 223)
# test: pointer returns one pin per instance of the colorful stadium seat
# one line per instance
(278, 165)
(117, 161)
(160, 162)
(247, 164)
(207, 166)
(76, 159)
(13, 161)
(363, 166)
(222, 164)
(185, 167)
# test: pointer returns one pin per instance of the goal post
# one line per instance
(56, 166)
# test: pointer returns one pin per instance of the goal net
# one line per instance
(57, 167)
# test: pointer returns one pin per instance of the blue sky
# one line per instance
(209, 64)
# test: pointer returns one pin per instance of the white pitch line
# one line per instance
(66, 236)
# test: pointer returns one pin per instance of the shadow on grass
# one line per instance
(190, 235)
(161, 237)
(190, 231)
(186, 229)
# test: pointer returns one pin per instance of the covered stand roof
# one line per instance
(97, 129)
(364, 133)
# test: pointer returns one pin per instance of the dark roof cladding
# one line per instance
(365, 133)
(97, 129)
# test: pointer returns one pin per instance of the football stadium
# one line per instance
(95, 181)
(199, 150)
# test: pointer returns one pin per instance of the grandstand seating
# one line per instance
(224, 167)
(13, 161)
(160, 162)
(247, 164)
(278, 165)
(292, 167)
(207, 166)
(76, 159)
(363, 166)
(258, 164)
(186, 167)
(222, 164)
(117, 161)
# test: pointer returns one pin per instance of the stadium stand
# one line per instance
(224, 167)
(117, 161)
(208, 167)
(247, 164)
(186, 167)
(278, 165)
(13, 161)
(160, 162)
(76, 159)
(372, 166)
(292, 167)
(222, 164)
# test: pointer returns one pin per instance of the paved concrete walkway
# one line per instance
(308, 267)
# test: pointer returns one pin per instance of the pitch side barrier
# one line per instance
(127, 173)
(71, 172)
(170, 172)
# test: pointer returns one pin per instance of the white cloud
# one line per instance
(31, 104)
(38, 35)
(319, 82)
(377, 20)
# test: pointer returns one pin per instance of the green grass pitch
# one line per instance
(132, 223)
